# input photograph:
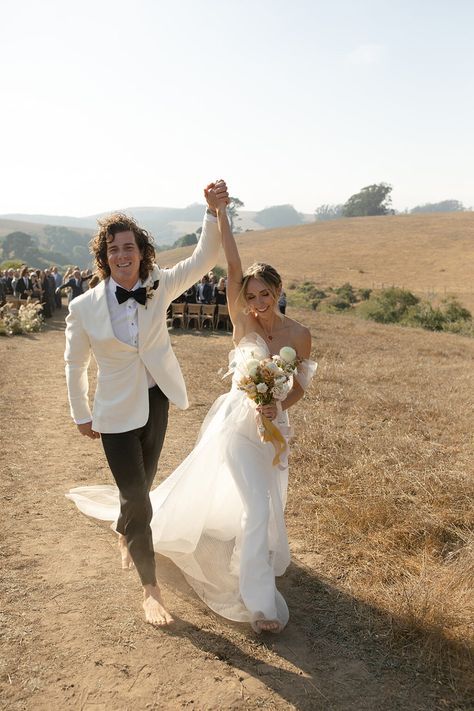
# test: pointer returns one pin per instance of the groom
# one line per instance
(122, 321)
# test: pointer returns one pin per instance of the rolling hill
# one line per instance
(427, 253)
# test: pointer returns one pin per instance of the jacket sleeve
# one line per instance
(187, 272)
(77, 356)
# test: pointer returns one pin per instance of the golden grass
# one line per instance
(382, 483)
(425, 253)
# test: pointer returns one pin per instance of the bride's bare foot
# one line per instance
(155, 612)
(268, 626)
(127, 562)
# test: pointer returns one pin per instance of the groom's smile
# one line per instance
(123, 257)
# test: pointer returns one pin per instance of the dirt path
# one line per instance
(72, 630)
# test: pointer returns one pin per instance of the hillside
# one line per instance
(166, 224)
(428, 253)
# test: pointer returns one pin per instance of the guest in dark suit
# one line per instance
(24, 285)
(76, 284)
(220, 294)
(204, 291)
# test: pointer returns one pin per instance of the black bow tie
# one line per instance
(137, 294)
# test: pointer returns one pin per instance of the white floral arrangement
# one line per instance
(268, 379)
(26, 319)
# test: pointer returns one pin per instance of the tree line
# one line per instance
(376, 200)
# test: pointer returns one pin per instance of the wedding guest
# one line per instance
(75, 283)
(3, 289)
(220, 292)
(24, 285)
(204, 291)
(58, 280)
(282, 302)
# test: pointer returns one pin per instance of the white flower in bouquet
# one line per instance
(262, 388)
(272, 367)
(252, 367)
(288, 354)
(280, 391)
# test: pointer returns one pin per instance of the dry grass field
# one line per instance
(428, 254)
(380, 523)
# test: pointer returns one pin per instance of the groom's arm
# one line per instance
(187, 272)
(77, 356)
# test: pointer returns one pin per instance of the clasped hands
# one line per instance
(216, 195)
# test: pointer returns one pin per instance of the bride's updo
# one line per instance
(264, 273)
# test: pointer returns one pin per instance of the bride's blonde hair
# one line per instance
(264, 273)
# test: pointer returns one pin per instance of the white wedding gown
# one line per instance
(220, 515)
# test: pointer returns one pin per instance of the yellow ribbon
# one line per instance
(270, 433)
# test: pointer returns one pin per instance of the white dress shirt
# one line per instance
(124, 318)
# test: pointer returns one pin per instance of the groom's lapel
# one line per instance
(101, 313)
(145, 312)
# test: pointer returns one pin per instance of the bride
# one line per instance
(220, 515)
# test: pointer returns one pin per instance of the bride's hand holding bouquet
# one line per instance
(267, 382)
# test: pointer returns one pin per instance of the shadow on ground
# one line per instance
(337, 653)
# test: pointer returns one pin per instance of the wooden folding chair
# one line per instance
(178, 313)
(193, 314)
(222, 316)
(207, 315)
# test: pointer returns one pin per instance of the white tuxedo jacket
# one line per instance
(121, 396)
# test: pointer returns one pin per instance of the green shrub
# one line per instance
(305, 295)
(424, 315)
(388, 306)
(347, 293)
(335, 304)
(454, 311)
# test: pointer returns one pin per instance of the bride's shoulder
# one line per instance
(301, 338)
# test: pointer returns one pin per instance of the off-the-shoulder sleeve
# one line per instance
(304, 373)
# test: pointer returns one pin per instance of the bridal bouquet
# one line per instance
(264, 382)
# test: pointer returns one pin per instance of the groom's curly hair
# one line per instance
(108, 227)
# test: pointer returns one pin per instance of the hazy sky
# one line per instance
(108, 104)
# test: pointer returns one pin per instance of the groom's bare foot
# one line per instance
(127, 562)
(268, 626)
(155, 612)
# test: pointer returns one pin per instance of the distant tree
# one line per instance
(185, 240)
(11, 264)
(328, 212)
(443, 206)
(371, 200)
(17, 244)
(234, 205)
(279, 216)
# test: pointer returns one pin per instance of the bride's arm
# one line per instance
(234, 265)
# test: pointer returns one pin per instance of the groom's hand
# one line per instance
(86, 430)
(216, 194)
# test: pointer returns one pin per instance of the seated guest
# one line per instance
(191, 294)
(220, 294)
(204, 291)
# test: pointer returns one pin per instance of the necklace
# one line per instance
(269, 334)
